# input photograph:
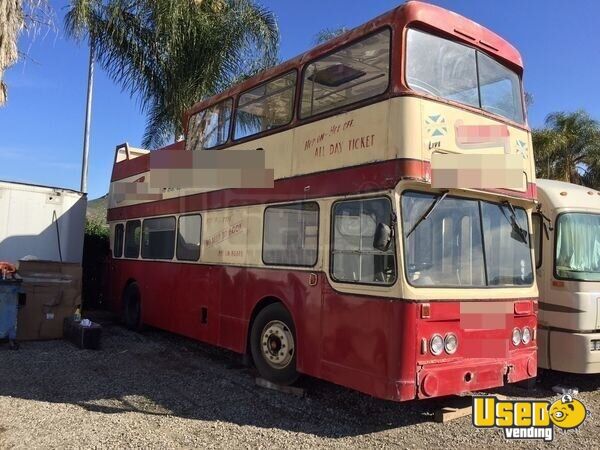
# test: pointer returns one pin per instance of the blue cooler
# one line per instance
(9, 300)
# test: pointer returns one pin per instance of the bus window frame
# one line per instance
(395, 232)
(277, 129)
(538, 216)
(359, 103)
(122, 249)
(486, 286)
(176, 256)
(465, 107)
(233, 99)
(174, 239)
(283, 205)
(125, 239)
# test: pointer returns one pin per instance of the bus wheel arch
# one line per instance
(132, 305)
(272, 341)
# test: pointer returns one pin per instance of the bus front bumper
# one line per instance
(460, 377)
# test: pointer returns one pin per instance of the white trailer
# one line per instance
(42, 221)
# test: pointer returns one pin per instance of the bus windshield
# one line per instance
(465, 243)
(453, 71)
(578, 246)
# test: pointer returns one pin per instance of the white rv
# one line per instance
(567, 249)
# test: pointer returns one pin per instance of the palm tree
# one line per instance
(568, 148)
(329, 33)
(170, 54)
(11, 23)
(16, 15)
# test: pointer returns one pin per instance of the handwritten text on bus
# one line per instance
(320, 148)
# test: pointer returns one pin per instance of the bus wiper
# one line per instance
(427, 213)
(513, 221)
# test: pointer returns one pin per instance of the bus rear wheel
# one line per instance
(132, 307)
(273, 345)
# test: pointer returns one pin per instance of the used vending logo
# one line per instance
(528, 419)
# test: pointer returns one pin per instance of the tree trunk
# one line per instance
(11, 23)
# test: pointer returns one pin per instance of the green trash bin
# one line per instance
(9, 302)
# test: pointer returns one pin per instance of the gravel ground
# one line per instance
(155, 389)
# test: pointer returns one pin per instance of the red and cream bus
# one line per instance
(351, 268)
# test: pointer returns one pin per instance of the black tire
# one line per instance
(132, 307)
(272, 330)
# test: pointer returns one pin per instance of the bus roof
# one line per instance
(421, 15)
(562, 195)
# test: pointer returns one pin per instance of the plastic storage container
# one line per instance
(9, 301)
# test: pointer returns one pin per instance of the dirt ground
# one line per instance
(155, 389)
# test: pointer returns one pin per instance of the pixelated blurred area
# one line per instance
(199, 171)
(486, 316)
(477, 171)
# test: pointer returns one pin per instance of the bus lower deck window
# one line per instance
(158, 238)
(118, 241)
(354, 257)
(290, 235)
(188, 237)
(132, 239)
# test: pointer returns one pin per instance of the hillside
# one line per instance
(96, 209)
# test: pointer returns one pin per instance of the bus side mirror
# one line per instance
(383, 237)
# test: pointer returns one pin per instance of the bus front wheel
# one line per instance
(273, 345)
(132, 307)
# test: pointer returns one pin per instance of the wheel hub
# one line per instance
(277, 344)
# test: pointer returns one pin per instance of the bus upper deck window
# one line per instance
(266, 107)
(353, 73)
(210, 127)
(454, 71)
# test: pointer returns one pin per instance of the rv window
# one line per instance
(290, 236)
(158, 238)
(188, 237)
(353, 73)
(118, 241)
(577, 254)
(132, 239)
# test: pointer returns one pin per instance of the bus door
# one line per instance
(356, 316)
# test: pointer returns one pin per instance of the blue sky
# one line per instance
(41, 127)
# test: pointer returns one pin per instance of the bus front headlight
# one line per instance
(526, 338)
(450, 343)
(436, 345)
(516, 337)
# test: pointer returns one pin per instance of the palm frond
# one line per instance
(170, 54)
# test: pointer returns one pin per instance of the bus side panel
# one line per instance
(300, 298)
(158, 293)
(195, 310)
(367, 344)
(233, 327)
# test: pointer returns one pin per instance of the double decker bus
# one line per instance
(352, 267)
(567, 256)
